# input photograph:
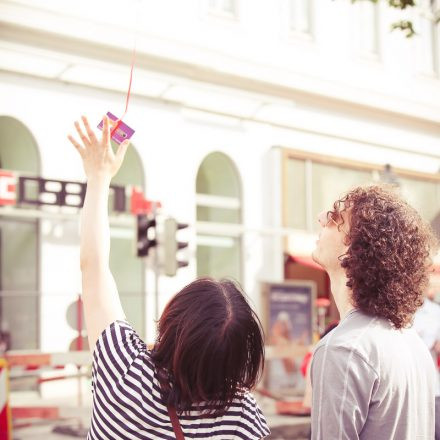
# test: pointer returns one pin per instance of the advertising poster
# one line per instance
(289, 322)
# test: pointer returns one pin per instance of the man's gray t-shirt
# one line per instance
(371, 381)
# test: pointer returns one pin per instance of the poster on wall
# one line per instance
(289, 323)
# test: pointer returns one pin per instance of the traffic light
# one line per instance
(171, 246)
(146, 234)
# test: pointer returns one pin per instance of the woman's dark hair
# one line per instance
(388, 258)
(209, 347)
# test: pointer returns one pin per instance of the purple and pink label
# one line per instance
(122, 133)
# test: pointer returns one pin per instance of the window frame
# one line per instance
(293, 31)
(35, 169)
(356, 32)
(423, 17)
(220, 13)
(217, 230)
(288, 154)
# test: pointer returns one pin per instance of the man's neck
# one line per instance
(341, 293)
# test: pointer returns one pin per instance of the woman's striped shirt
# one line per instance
(127, 401)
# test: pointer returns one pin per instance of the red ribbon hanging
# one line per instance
(127, 99)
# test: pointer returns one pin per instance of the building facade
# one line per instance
(251, 117)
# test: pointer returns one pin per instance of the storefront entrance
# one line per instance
(19, 301)
(19, 250)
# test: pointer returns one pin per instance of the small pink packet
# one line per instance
(123, 131)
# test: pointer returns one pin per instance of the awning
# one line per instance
(308, 261)
(305, 261)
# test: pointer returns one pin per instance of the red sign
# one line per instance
(17, 190)
(140, 205)
(8, 184)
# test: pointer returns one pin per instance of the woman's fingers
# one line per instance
(105, 130)
(84, 138)
(90, 132)
(76, 144)
(122, 149)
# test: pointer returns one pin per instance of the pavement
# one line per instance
(282, 427)
(286, 428)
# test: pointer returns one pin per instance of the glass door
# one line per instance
(19, 299)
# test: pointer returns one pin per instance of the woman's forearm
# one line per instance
(102, 304)
(95, 230)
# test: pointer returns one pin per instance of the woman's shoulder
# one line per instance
(119, 346)
(251, 414)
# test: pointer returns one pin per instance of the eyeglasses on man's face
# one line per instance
(327, 218)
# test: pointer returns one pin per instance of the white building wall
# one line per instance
(379, 110)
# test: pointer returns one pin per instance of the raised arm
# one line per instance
(100, 296)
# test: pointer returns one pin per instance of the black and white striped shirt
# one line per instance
(127, 401)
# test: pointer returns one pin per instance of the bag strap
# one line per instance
(172, 412)
(175, 422)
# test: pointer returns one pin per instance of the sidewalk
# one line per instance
(282, 427)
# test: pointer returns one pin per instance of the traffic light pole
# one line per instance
(156, 269)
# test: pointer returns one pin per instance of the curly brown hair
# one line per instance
(388, 258)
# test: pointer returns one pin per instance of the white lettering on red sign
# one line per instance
(8, 185)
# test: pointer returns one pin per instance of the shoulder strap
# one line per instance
(175, 422)
(171, 411)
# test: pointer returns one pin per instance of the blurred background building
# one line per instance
(251, 117)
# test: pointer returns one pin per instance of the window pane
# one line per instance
(228, 6)
(329, 183)
(218, 176)
(127, 270)
(130, 173)
(296, 213)
(300, 15)
(422, 195)
(368, 27)
(18, 277)
(218, 256)
(220, 261)
(18, 150)
(218, 215)
(428, 43)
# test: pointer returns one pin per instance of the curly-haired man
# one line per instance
(372, 377)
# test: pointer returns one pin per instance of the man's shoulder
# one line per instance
(359, 335)
(432, 306)
(343, 350)
(356, 328)
(374, 340)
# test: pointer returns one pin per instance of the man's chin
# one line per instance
(316, 259)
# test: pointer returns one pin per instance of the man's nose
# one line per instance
(322, 217)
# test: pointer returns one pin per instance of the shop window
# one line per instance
(313, 186)
(329, 183)
(427, 39)
(19, 261)
(227, 8)
(423, 195)
(296, 212)
(127, 269)
(366, 29)
(300, 16)
(218, 190)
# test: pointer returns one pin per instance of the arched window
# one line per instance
(127, 269)
(218, 190)
(19, 263)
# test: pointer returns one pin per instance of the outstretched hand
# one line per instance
(98, 157)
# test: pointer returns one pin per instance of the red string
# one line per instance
(127, 99)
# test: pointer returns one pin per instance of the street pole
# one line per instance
(156, 269)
